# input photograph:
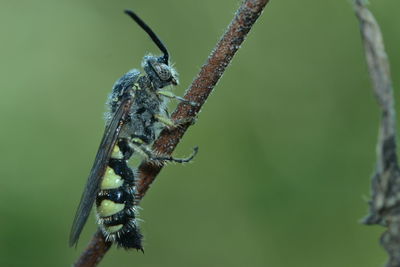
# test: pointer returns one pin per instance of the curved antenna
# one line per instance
(152, 35)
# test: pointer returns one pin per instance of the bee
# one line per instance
(136, 114)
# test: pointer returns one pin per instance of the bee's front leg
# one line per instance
(169, 94)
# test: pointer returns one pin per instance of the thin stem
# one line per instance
(95, 251)
(385, 202)
(198, 92)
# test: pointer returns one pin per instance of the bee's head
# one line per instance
(158, 69)
(160, 73)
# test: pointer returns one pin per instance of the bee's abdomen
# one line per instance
(116, 211)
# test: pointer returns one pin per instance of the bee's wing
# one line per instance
(99, 166)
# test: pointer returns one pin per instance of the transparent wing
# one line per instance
(99, 166)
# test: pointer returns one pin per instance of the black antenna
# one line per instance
(152, 35)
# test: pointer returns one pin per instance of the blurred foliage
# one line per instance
(286, 141)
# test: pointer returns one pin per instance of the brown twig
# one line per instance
(95, 251)
(385, 202)
(198, 92)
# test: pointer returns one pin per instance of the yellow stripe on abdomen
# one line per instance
(111, 180)
(108, 208)
(116, 153)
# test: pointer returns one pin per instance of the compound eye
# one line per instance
(163, 72)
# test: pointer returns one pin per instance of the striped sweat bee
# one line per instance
(136, 114)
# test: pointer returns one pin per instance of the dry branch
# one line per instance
(385, 202)
(198, 92)
(95, 251)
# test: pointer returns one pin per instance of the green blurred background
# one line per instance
(286, 141)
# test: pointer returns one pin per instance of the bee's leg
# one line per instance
(160, 158)
(140, 147)
(146, 152)
(173, 123)
(169, 94)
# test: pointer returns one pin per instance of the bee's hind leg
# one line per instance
(177, 160)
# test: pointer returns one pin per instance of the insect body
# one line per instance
(137, 112)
